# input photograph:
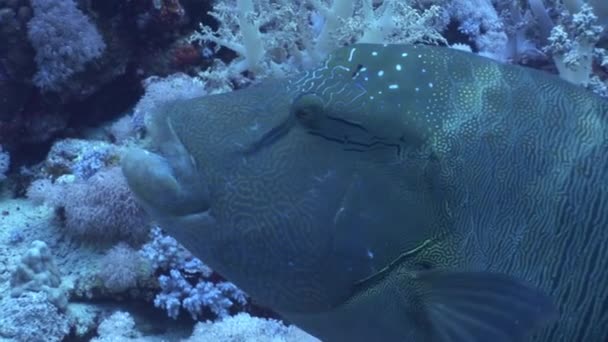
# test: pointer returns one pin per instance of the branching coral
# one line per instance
(572, 46)
(189, 283)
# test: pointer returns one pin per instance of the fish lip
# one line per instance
(165, 185)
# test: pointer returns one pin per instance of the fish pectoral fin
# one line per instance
(480, 306)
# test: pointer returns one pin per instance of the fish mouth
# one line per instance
(165, 178)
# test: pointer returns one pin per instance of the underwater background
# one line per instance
(79, 258)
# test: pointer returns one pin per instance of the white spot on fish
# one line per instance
(371, 97)
(419, 56)
(342, 67)
(338, 214)
(404, 54)
(352, 52)
(398, 67)
(393, 86)
(370, 254)
(321, 178)
(423, 71)
(374, 53)
(430, 85)
(417, 89)
(380, 73)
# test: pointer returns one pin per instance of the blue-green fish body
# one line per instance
(396, 193)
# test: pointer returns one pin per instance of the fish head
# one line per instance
(301, 181)
(239, 181)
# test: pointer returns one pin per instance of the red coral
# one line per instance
(170, 12)
(185, 55)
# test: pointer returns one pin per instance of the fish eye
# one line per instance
(308, 109)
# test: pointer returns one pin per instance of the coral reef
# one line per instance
(36, 272)
(242, 327)
(65, 40)
(77, 82)
(121, 268)
(31, 317)
(217, 297)
(100, 207)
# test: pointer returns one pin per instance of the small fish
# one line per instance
(395, 193)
